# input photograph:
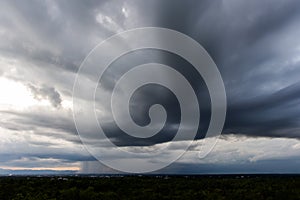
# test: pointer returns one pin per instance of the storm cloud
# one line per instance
(255, 45)
(46, 92)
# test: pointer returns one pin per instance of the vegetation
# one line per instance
(150, 187)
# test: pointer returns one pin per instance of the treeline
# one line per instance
(84, 188)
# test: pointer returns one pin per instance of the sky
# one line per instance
(255, 45)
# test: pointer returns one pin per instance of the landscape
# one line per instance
(149, 99)
(107, 187)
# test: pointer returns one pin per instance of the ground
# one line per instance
(151, 187)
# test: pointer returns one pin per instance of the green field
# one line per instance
(151, 187)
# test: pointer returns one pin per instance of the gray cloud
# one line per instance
(255, 50)
(275, 166)
(269, 115)
(254, 44)
(46, 92)
(257, 53)
(56, 125)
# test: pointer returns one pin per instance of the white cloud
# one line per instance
(108, 23)
(232, 149)
(125, 11)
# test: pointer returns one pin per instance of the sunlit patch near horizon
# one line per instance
(72, 168)
(15, 95)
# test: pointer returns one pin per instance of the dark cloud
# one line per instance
(270, 115)
(275, 166)
(151, 94)
(48, 93)
(255, 45)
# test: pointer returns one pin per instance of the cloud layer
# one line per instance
(255, 45)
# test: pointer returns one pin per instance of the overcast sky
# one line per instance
(255, 45)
